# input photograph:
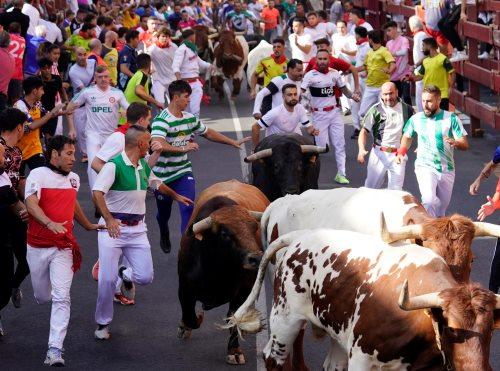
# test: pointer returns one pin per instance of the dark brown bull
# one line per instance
(220, 253)
(230, 59)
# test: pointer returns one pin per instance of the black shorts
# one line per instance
(50, 127)
(33, 162)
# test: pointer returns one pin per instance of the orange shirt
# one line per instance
(270, 15)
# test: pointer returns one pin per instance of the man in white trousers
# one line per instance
(53, 254)
(417, 28)
(81, 75)
(439, 133)
(102, 108)
(326, 113)
(186, 66)
(162, 55)
(385, 121)
(120, 195)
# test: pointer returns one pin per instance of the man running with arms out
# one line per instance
(439, 133)
(385, 120)
(285, 118)
(321, 83)
(175, 129)
(120, 195)
(102, 104)
(53, 253)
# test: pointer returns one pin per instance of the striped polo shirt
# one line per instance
(433, 152)
(178, 132)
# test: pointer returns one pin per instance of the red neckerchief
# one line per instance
(163, 46)
(279, 60)
(361, 41)
(361, 21)
(123, 129)
(82, 35)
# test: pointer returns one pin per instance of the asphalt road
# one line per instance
(144, 336)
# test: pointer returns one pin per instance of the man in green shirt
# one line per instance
(139, 85)
(81, 39)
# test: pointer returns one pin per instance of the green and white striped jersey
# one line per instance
(433, 151)
(177, 132)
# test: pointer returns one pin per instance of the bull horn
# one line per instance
(258, 155)
(308, 148)
(412, 231)
(486, 229)
(202, 225)
(213, 36)
(425, 301)
(256, 215)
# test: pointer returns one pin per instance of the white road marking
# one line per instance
(261, 305)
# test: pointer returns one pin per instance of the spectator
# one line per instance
(32, 49)
(417, 29)
(17, 46)
(110, 55)
(120, 42)
(485, 173)
(81, 39)
(16, 15)
(399, 46)
(54, 34)
(95, 47)
(174, 18)
(127, 58)
(436, 70)
(130, 19)
(271, 18)
(138, 86)
(33, 14)
(434, 12)
(485, 18)
(77, 22)
(448, 27)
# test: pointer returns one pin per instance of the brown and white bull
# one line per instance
(349, 285)
(219, 255)
(359, 210)
(231, 55)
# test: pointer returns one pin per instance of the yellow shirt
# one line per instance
(78, 41)
(130, 22)
(436, 71)
(30, 144)
(270, 69)
(111, 59)
(375, 61)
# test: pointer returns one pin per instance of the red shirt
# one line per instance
(16, 49)
(147, 38)
(7, 68)
(335, 63)
(271, 15)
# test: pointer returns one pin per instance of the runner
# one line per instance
(53, 253)
(175, 130)
(102, 104)
(120, 195)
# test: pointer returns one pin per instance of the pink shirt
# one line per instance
(7, 66)
(399, 48)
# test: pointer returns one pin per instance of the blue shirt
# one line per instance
(127, 56)
(496, 156)
(32, 45)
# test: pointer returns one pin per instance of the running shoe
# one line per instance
(54, 357)
(120, 298)
(341, 179)
(102, 332)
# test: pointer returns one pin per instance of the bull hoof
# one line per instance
(236, 357)
(183, 332)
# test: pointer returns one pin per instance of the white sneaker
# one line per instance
(54, 358)
(102, 333)
(459, 56)
(484, 55)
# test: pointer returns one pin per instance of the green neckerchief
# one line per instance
(191, 46)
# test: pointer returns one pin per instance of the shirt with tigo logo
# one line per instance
(281, 121)
(270, 68)
(30, 144)
(139, 78)
(178, 132)
(386, 123)
(322, 87)
(435, 71)
(273, 91)
(102, 108)
(125, 186)
(375, 61)
(433, 152)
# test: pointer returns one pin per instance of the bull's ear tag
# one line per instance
(198, 236)
(312, 159)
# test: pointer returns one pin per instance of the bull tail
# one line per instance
(248, 319)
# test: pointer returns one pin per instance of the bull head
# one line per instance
(306, 148)
(207, 223)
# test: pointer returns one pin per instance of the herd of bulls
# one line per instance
(370, 268)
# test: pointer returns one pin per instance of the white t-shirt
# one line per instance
(81, 77)
(101, 109)
(280, 121)
(418, 39)
(53, 32)
(365, 24)
(113, 146)
(162, 59)
(363, 49)
(321, 87)
(347, 42)
(303, 40)
(274, 89)
(322, 30)
(34, 15)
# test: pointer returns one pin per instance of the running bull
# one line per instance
(356, 289)
(285, 164)
(219, 255)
